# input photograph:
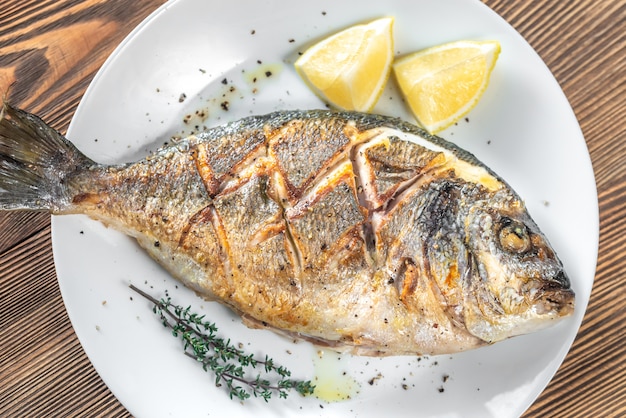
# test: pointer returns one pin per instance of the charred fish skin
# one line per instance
(355, 231)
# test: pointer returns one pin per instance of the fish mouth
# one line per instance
(556, 297)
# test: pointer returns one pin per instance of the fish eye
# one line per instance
(514, 236)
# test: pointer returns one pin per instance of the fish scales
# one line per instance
(358, 232)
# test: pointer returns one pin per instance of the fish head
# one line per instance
(515, 282)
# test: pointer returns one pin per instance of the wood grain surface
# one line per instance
(50, 50)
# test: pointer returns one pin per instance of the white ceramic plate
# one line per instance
(523, 128)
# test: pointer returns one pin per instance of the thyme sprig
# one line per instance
(230, 365)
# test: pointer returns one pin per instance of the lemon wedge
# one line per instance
(349, 69)
(443, 83)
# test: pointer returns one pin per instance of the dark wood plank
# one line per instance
(50, 51)
(16, 226)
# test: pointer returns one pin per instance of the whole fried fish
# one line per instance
(359, 232)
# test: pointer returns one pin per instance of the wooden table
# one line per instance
(50, 51)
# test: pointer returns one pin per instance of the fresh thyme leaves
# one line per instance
(230, 365)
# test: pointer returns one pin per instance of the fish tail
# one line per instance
(36, 163)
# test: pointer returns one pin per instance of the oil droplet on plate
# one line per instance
(332, 383)
(264, 72)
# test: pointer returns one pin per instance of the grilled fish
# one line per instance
(358, 232)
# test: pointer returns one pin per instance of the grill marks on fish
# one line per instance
(386, 166)
(279, 219)
(315, 197)
(303, 148)
(295, 199)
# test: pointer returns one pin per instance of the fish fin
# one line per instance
(35, 162)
